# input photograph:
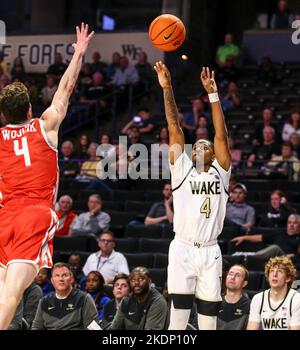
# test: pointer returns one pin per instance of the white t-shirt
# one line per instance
(273, 315)
(199, 200)
(108, 267)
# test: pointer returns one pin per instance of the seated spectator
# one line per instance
(75, 265)
(43, 281)
(4, 78)
(283, 166)
(114, 65)
(236, 154)
(229, 49)
(27, 308)
(98, 65)
(83, 146)
(85, 76)
(283, 18)
(190, 119)
(33, 90)
(238, 212)
(88, 169)
(65, 216)
(145, 309)
(202, 133)
(126, 74)
(295, 141)
(163, 136)
(68, 308)
(121, 289)
(3, 64)
(49, 91)
(266, 71)
(94, 286)
(229, 72)
(93, 222)
(278, 211)
(143, 120)
(96, 92)
(267, 121)
(234, 312)
(58, 67)
(279, 243)
(107, 261)
(108, 150)
(293, 125)
(145, 71)
(68, 167)
(278, 307)
(18, 69)
(231, 98)
(162, 212)
(266, 150)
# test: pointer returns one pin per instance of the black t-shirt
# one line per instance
(95, 92)
(57, 69)
(276, 218)
(234, 316)
(289, 244)
(265, 152)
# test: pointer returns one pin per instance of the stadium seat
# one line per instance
(138, 207)
(254, 263)
(244, 247)
(158, 277)
(250, 293)
(146, 231)
(231, 260)
(123, 195)
(154, 196)
(113, 205)
(160, 260)
(168, 231)
(70, 244)
(154, 245)
(119, 221)
(127, 245)
(139, 259)
(229, 232)
(255, 280)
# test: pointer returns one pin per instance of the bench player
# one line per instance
(200, 192)
(29, 181)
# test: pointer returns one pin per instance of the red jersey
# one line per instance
(28, 163)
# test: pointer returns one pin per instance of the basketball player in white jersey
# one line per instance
(277, 308)
(200, 192)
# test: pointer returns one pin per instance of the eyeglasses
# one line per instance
(106, 240)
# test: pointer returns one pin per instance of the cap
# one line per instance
(239, 185)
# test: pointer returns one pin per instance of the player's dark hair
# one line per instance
(15, 103)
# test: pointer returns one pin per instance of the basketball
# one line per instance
(167, 32)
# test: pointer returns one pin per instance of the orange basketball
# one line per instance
(167, 32)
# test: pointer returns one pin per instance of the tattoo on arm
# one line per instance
(170, 107)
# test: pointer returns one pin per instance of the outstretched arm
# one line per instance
(175, 132)
(221, 135)
(56, 113)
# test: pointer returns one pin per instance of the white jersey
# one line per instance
(273, 315)
(199, 200)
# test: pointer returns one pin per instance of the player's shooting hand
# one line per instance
(83, 38)
(208, 80)
(238, 240)
(163, 74)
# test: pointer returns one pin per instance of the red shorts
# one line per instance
(26, 234)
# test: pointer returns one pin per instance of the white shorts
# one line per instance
(195, 271)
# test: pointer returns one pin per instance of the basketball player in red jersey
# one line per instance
(29, 181)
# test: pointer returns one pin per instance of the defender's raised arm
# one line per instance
(222, 151)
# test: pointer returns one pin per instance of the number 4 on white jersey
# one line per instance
(24, 151)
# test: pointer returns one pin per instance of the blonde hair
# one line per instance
(285, 263)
